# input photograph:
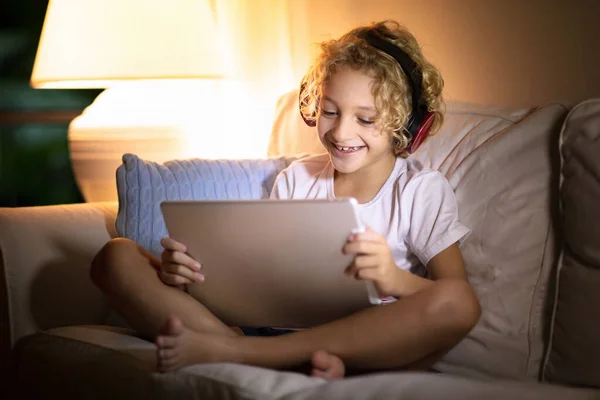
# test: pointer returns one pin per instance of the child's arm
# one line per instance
(448, 264)
(374, 262)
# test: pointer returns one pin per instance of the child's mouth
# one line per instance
(348, 149)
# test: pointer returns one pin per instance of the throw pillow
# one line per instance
(143, 185)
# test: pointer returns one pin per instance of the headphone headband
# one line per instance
(411, 70)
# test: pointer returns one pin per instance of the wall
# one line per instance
(510, 52)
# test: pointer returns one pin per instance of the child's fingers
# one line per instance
(368, 235)
(173, 280)
(366, 261)
(177, 257)
(183, 271)
(173, 245)
(367, 274)
(362, 247)
(362, 262)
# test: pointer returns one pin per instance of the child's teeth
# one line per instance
(348, 149)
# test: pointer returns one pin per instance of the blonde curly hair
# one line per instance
(391, 88)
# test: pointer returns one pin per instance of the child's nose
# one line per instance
(342, 130)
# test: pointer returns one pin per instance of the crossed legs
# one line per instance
(411, 333)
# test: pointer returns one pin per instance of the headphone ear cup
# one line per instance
(312, 121)
(422, 133)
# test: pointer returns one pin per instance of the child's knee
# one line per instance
(109, 259)
(455, 306)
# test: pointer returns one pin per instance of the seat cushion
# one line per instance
(574, 350)
(98, 362)
(95, 362)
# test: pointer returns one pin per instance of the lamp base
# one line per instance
(95, 160)
(161, 121)
(152, 120)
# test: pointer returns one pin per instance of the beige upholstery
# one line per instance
(575, 343)
(123, 365)
(45, 253)
(133, 361)
(503, 165)
(501, 172)
(498, 161)
(290, 135)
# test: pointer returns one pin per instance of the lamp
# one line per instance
(159, 61)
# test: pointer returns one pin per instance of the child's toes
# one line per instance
(327, 365)
(167, 354)
(319, 373)
(167, 365)
(166, 342)
(320, 360)
(167, 359)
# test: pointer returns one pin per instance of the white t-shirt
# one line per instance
(415, 209)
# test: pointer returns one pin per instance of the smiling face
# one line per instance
(347, 126)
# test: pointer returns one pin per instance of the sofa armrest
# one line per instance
(45, 253)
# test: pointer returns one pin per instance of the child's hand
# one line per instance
(177, 268)
(373, 261)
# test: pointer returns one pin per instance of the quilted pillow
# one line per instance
(574, 350)
(143, 185)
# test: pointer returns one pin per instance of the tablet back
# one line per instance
(270, 263)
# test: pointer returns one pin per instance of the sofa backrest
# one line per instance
(574, 347)
(503, 165)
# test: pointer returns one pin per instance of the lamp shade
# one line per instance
(100, 43)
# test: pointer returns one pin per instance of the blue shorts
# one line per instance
(264, 331)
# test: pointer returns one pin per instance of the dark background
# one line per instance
(34, 158)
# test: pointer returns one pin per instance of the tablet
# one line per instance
(271, 263)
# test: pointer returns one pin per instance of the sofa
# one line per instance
(527, 181)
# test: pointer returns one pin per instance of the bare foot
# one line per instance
(328, 366)
(179, 346)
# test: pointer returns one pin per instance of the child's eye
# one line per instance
(365, 122)
(328, 113)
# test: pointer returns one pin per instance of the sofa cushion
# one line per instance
(428, 386)
(95, 362)
(290, 135)
(89, 362)
(574, 350)
(502, 163)
(503, 172)
(45, 255)
(143, 185)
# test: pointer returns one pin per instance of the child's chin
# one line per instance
(345, 166)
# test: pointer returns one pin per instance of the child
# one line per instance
(368, 120)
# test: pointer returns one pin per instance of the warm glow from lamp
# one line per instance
(100, 43)
(161, 63)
